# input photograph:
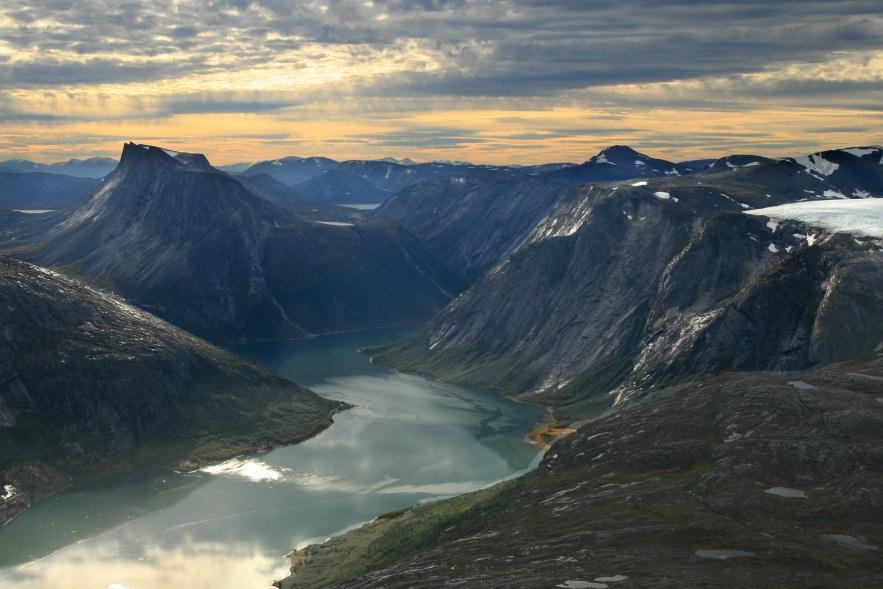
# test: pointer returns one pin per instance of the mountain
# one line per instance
(193, 245)
(618, 162)
(693, 166)
(295, 201)
(630, 286)
(404, 161)
(340, 187)
(731, 163)
(39, 190)
(292, 170)
(741, 480)
(375, 181)
(92, 385)
(273, 190)
(472, 221)
(236, 168)
(93, 167)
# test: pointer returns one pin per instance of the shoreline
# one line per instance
(545, 433)
(185, 463)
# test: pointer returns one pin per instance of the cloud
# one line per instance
(488, 48)
(396, 70)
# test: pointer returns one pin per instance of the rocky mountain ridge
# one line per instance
(632, 285)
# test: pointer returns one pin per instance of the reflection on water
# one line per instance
(228, 526)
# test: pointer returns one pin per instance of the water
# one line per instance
(361, 206)
(408, 440)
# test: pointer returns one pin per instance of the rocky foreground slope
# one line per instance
(740, 480)
(634, 285)
(91, 385)
(193, 245)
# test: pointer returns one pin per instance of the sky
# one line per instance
(490, 81)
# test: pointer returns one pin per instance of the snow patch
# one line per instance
(772, 247)
(734, 201)
(861, 193)
(641, 183)
(803, 386)
(850, 216)
(577, 584)
(662, 195)
(860, 151)
(834, 194)
(602, 159)
(772, 225)
(786, 492)
(850, 541)
(722, 554)
(816, 163)
(8, 492)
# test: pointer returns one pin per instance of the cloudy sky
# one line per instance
(484, 80)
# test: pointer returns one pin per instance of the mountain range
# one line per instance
(93, 167)
(708, 332)
(627, 286)
(175, 236)
(39, 190)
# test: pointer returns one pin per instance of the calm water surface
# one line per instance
(407, 440)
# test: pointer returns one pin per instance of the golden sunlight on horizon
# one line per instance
(251, 81)
(491, 136)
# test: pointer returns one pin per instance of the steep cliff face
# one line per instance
(748, 480)
(90, 385)
(629, 286)
(193, 245)
(472, 221)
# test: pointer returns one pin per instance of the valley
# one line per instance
(229, 525)
(695, 346)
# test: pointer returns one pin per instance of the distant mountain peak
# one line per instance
(618, 155)
(140, 154)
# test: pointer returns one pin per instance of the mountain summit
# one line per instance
(617, 162)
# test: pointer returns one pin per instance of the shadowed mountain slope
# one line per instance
(193, 245)
(92, 385)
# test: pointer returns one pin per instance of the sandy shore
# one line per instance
(547, 432)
